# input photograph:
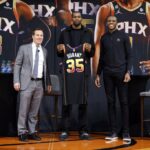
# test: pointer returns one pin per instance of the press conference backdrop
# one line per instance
(50, 16)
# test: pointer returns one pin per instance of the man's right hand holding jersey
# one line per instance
(61, 48)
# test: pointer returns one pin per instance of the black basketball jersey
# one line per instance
(134, 22)
(8, 31)
(74, 59)
(74, 66)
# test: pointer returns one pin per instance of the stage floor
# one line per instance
(50, 141)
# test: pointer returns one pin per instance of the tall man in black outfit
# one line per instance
(76, 47)
(115, 61)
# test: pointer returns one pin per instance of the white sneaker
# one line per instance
(112, 137)
(126, 137)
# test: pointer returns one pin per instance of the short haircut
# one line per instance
(35, 29)
(112, 16)
(73, 12)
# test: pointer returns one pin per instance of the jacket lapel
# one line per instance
(30, 53)
(44, 55)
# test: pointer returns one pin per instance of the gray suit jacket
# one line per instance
(24, 64)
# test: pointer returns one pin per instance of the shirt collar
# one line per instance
(71, 28)
(34, 45)
(112, 32)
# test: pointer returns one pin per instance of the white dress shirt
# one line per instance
(41, 59)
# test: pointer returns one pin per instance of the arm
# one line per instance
(146, 63)
(47, 71)
(48, 80)
(60, 45)
(148, 12)
(129, 54)
(64, 12)
(102, 15)
(17, 69)
(100, 66)
(89, 47)
(28, 21)
(101, 63)
(24, 10)
(129, 57)
(62, 5)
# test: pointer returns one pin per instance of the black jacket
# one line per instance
(115, 54)
(86, 37)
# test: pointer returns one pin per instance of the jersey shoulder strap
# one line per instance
(148, 12)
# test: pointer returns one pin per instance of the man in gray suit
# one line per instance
(31, 75)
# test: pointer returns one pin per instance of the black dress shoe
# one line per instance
(23, 137)
(63, 136)
(34, 136)
(84, 136)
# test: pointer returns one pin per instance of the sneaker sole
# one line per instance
(111, 139)
(127, 140)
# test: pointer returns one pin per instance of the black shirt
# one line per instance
(115, 55)
(76, 37)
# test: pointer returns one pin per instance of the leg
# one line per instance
(66, 112)
(34, 106)
(109, 83)
(123, 98)
(25, 97)
(82, 117)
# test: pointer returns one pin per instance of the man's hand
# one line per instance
(60, 48)
(98, 81)
(127, 77)
(49, 89)
(87, 47)
(17, 86)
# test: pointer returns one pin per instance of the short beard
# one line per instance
(77, 25)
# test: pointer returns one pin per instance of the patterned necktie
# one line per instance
(36, 62)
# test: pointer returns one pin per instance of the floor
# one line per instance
(50, 141)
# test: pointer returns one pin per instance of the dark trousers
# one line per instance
(82, 117)
(112, 82)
